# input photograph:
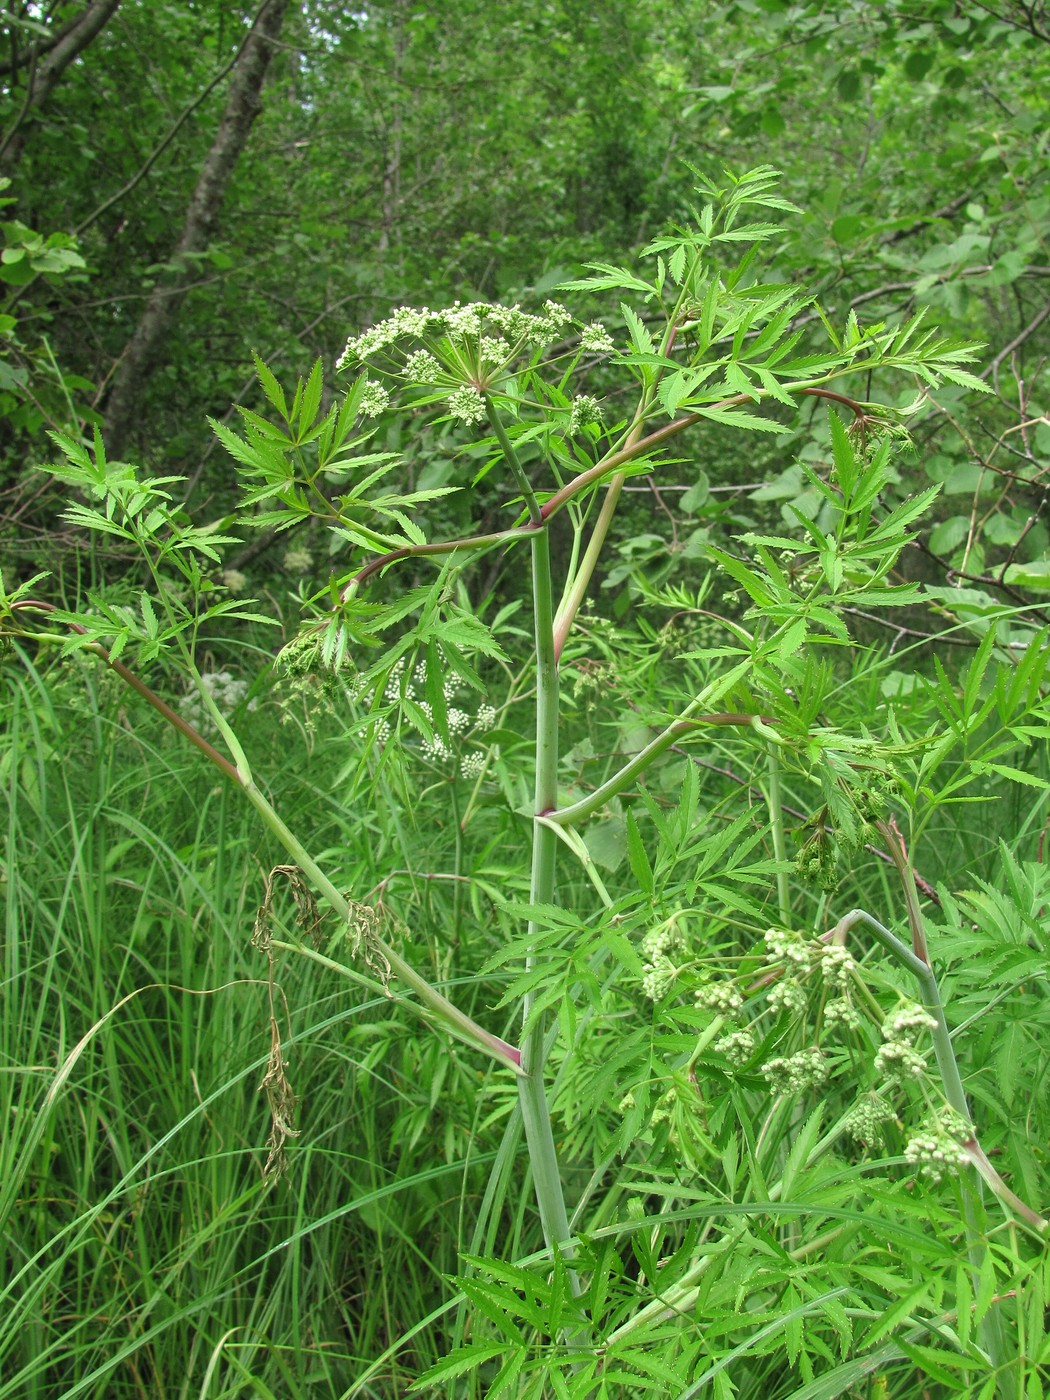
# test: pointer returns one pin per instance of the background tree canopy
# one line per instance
(194, 182)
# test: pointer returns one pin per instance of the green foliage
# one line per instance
(745, 1102)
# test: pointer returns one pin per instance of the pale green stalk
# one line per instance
(579, 811)
(776, 824)
(532, 1095)
(511, 457)
(582, 580)
(531, 1091)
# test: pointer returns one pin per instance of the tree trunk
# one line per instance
(243, 105)
(47, 63)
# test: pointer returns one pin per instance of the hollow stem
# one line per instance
(535, 1112)
(776, 823)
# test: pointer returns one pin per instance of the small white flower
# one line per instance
(472, 765)
(458, 721)
(465, 320)
(436, 750)
(234, 580)
(494, 349)
(375, 399)
(484, 719)
(422, 368)
(392, 689)
(467, 404)
(596, 339)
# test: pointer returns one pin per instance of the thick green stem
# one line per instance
(776, 823)
(535, 1112)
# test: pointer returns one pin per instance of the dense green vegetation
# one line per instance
(524, 817)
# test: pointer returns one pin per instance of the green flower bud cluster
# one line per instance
(738, 1047)
(897, 1058)
(585, 411)
(938, 1153)
(660, 947)
(794, 1074)
(816, 857)
(867, 1118)
(592, 675)
(726, 1001)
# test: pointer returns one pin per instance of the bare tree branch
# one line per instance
(45, 72)
(243, 105)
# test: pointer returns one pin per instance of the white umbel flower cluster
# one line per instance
(596, 340)
(509, 327)
(402, 684)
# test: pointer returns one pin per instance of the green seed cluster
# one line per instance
(660, 948)
(938, 1152)
(794, 1074)
(867, 1119)
(897, 1058)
